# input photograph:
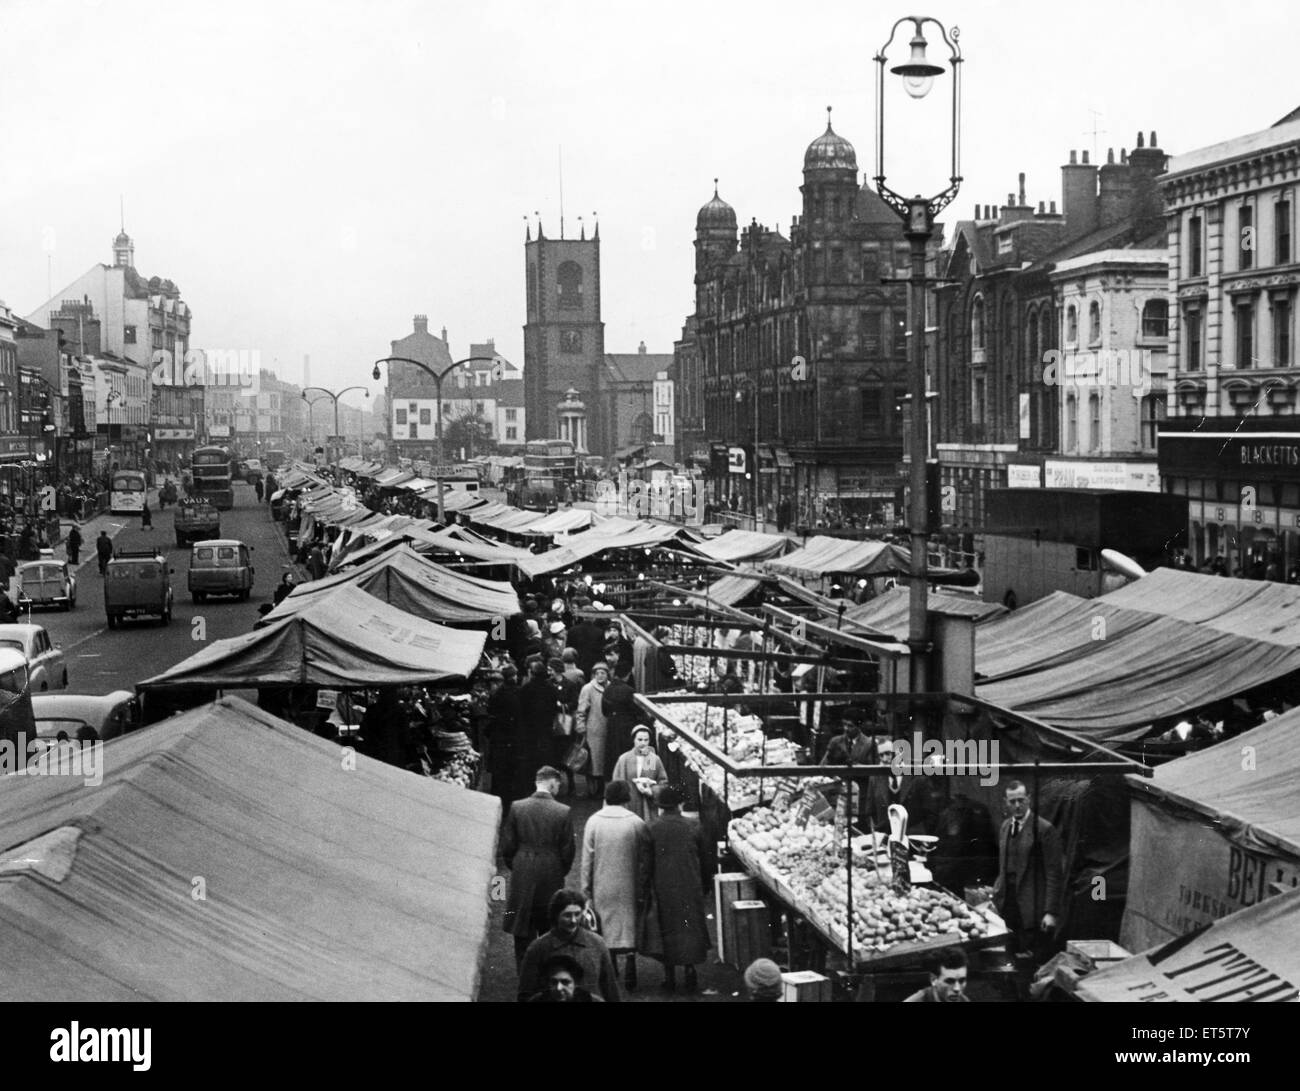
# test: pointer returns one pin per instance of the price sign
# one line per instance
(899, 856)
(785, 789)
(809, 807)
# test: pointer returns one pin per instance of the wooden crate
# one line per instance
(805, 987)
(729, 887)
(753, 937)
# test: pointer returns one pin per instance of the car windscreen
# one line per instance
(13, 681)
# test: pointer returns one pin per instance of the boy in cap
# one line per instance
(763, 980)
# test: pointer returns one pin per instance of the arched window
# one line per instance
(1094, 422)
(1034, 347)
(1094, 322)
(1071, 324)
(1155, 319)
(977, 323)
(1071, 423)
(568, 282)
(643, 429)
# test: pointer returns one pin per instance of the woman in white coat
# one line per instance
(590, 723)
(644, 773)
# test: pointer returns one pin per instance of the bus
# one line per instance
(550, 473)
(212, 470)
(127, 490)
(274, 460)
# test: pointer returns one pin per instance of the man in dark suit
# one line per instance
(588, 640)
(537, 846)
(1031, 876)
(502, 724)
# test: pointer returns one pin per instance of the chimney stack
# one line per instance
(1145, 165)
(421, 323)
(1116, 190)
(444, 333)
(1022, 188)
(641, 349)
(1079, 196)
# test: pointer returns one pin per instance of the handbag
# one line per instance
(562, 724)
(591, 919)
(578, 756)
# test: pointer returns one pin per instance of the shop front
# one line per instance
(850, 495)
(1241, 477)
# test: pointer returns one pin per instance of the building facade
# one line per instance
(793, 365)
(636, 403)
(1036, 313)
(1232, 443)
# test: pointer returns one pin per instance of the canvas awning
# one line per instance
(1223, 822)
(404, 579)
(1093, 668)
(888, 614)
(726, 591)
(1250, 955)
(347, 639)
(393, 477)
(744, 545)
(562, 522)
(1260, 609)
(824, 556)
(437, 542)
(586, 546)
(369, 884)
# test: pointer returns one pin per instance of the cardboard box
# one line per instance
(805, 987)
(1100, 952)
(753, 937)
(729, 887)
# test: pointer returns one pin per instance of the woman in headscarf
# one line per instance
(644, 773)
(591, 724)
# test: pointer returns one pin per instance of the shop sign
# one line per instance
(737, 463)
(13, 446)
(1266, 456)
(174, 433)
(1139, 476)
(1018, 477)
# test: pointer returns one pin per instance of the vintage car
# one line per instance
(221, 566)
(76, 716)
(195, 520)
(46, 582)
(45, 664)
(137, 583)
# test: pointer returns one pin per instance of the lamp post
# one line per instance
(311, 419)
(744, 381)
(437, 377)
(918, 214)
(334, 396)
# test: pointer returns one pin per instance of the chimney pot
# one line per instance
(1123, 155)
(1022, 187)
(1041, 207)
(1074, 157)
(1139, 144)
(1110, 156)
(444, 333)
(1085, 155)
(1053, 208)
(1153, 139)
(421, 323)
(1011, 198)
(641, 349)
(977, 212)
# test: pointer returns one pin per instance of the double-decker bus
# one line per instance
(274, 460)
(127, 490)
(549, 473)
(212, 471)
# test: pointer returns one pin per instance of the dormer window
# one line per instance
(1005, 244)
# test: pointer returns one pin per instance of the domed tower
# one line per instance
(830, 182)
(715, 241)
(123, 249)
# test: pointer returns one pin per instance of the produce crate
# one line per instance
(805, 987)
(753, 936)
(730, 887)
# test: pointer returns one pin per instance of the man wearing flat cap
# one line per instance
(681, 876)
(763, 980)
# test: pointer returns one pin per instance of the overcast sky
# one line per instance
(313, 174)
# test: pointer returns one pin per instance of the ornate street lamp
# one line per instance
(335, 396)
(918, 214)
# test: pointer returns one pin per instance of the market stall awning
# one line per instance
(440, 543)
(1130, 674)
(888, 614)
(744, 545)
(727, 591)
(562, 522)
(368, 884)
(585, 546)
(1260, 609)
(418, 484)
(825, 556)
(514, 522)
(393, 477)
(455, 499)
(1250, 955)
(349, 638)
(412, 583)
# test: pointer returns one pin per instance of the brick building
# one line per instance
(808, 333)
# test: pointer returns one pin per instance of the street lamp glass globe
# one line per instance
(918, 86)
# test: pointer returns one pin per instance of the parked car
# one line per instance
(221, 566)
(195, 520)
(46, 582)
(75, 716)
(137, 584)
(16, 721)
(251, 470)
(45, 664)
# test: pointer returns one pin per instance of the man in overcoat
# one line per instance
(1031, 875)
(537, 845)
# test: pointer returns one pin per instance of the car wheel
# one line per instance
(112, 621)
(65, 679)
(44, 686)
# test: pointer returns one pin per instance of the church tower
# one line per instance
(564, 338)
(715, 243)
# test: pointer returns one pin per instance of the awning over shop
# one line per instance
(403, 578)
(370, 884)
(555, 560)
(824, 556)
(1198, 815)
(1255, 608)
(349, 638)
(1249, 955)
(888, 614)
(744, 545)
(783, 459)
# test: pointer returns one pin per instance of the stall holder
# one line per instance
(873, 944)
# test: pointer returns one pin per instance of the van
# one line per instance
(221, 566)
(137, 584)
